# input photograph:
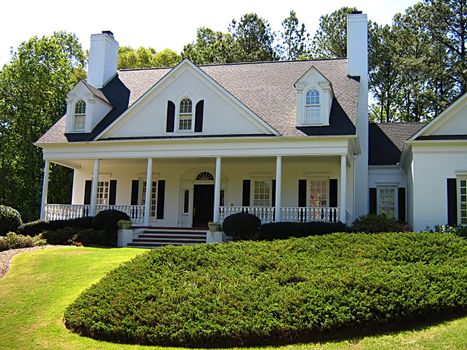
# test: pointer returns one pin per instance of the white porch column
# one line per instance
(217, 190)
(95, 180)
(277, 216)
(45, 188)
(147, 195)
(343, 190)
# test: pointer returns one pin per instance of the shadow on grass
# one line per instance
(359, 332)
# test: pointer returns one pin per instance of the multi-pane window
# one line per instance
(79, 118)
(153, 197)
(318, 192)
(312, 107)
(462, 188)
(387, 201)
(102, 193)
(262, 193)
(185, 115)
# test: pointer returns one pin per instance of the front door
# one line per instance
(203, 205)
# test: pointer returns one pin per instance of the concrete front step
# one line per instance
(156, 237)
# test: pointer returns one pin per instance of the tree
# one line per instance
(294, 37)
(254, 38)
(211, 47)
(146, 58)
(383, 72)
(33, 88)
(330, 40)
(446, 20)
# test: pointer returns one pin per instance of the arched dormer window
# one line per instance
(79, 118)
(312, 107)
(185, 115)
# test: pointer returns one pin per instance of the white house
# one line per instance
(287, 141)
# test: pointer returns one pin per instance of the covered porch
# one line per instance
(191, 191)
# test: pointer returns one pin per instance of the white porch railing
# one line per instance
(65, 211)
(265, 214)
(307, 214)
(73, 211)
(294, 214)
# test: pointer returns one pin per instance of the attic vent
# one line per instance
(204, 176)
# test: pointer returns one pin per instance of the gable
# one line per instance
(450, 124)
(222, 114)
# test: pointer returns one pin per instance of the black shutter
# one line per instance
(87, 192)
(372, 200)
(401, 203)
(302, 193)
(452, 202)
(199, 116)
(333, 193)
(170, 116)
(246, 193)
(273, 193)
(134, 192)
(160, 199)
(112, 192)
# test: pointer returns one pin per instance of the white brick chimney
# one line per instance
(357, 66)
(103, 58)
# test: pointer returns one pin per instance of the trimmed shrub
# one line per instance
(15, 241)
(61, 236)
(241, 226)
(257, 293)
(283, 230)
(91, 236)
(107, 220)
(10, 219)
(35, 227)
(372, 223)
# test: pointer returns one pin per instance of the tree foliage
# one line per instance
(33, 88)
(254, 37)
(330, 40)
(294, 38)
(146, 57)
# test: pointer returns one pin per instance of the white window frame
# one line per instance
(313, 105)
(103, 192)
(179, 115)
(252, 191)
(81, 114)
(385, 187)
(142, 196)
(461, 200)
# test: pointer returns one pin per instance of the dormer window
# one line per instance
(312, 107)
(185, 116)
(79, 118)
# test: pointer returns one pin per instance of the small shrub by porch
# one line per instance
(285, 291)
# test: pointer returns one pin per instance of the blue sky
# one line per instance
(163, 24)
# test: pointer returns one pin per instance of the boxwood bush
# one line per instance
(373, 223)
(35, 227)
(10, 219)
(107, 220)
(281, 230)
(283, 291)
(241, 226)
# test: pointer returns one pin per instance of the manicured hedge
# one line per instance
(282, 230)
(373, 223)
(284, 291)
(241, 226)
(10, 219)
(35, 227)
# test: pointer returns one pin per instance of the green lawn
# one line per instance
(34, 294)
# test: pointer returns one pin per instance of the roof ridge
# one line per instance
(238, 63)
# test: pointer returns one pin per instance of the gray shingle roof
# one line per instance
(386, 141)
(267, 88)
